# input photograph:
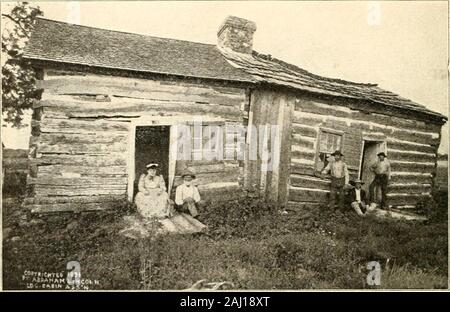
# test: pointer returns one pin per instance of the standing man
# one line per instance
(382, 170)
(339, 178)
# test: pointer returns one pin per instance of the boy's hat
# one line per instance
(152, 166)
(187, 173)
(381, 154)
(337, 153)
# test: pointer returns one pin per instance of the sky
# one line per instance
(402, 46)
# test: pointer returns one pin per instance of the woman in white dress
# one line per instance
(152, 198)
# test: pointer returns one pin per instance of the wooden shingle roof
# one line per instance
(271, 70)
(74, 44)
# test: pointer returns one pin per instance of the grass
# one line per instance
(250, 244)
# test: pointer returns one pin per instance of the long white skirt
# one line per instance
(152, 205)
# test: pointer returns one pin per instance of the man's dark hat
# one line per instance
(381, 154)
(337, 153)
(187, 173)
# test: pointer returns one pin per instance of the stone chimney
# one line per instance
(236, 34)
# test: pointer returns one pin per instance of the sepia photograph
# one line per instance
(224, 146)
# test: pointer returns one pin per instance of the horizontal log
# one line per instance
(70, 138)
(145, 89)
(410, 188)
(304, 131)
(322, 109)
(374, 136)
(339, 125)
(405, 208)
(69, 207)
(65, 109)
(307, 195)
(72, 199)
(309, 182)
(311, 120)
(82, 126)
(407, 199)
(82, 181)
(207, 178)
(414, 124)
(214, 168)
(118, 159)
(182, 164)
(59, 170)
(302, 169)
(76, 191)
(412, 167)
(416, 137)
(407, 146)
(305, 154)
(315, 120)
(410, 156)
(341, 113)
(302, 142)
(82, 148)
(404, 179)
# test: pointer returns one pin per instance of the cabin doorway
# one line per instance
(369, 156)
(152, 144)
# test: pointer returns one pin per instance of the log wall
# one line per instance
(273, 109)
(80, 136)
(411, 149)
(81, 130)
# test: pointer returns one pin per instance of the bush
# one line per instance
(332, 261)
(122, 207)
(435, 208)
(231, 219)
(14, 183)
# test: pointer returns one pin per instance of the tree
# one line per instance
(18, 76)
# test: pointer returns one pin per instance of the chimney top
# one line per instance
(236, 34)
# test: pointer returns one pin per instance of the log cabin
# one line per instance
(113, 101)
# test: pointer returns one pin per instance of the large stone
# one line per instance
(15, 239)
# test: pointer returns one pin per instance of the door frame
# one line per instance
(361, 158)
(154, 121)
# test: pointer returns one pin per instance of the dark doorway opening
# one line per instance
(369, 157)
(151, 146)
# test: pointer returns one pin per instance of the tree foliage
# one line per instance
(18, 76)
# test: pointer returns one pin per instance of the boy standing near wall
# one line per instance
(339, 178)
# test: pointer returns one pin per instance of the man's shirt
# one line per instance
(338, 169)
(382, 167)
(183, 191)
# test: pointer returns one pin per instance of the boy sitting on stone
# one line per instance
(187, 196)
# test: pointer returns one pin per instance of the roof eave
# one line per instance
(43, 60)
